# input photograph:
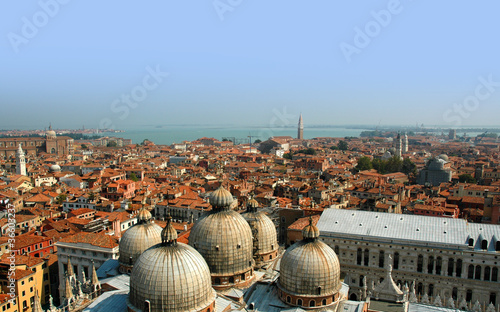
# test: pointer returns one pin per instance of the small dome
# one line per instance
(55, 168)
(51, 134)
(310, 268)
(252, 203)
(169, 234)
(310, 231)
(221, 198)
(135, 241)
(172, 277)
(144, 215)
(264, 236)
(444, 157)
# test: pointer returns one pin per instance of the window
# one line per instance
(367, 257)
(431, 290)
(430, 265)
(299, 302)
(438, 265)
(470, 272)
(487, 273)
(420, 263)
(459, 268)
(396, 261)
(359, 256)
(478, 272)
(450, 266)
(468, 295)
(494, 274)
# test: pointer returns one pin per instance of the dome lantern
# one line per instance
(169, 234)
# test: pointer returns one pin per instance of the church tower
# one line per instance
(300, 134)
(20, 162)
(399, 148)
(405, 143)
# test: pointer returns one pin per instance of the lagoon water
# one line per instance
(176, 134)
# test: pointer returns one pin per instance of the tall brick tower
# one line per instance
(300, 134)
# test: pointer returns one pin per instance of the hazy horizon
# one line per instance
(249, 64)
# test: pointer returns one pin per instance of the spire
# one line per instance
(95, 279)
(70, 268)
(169, 234)
(68, 294)
(37, 306)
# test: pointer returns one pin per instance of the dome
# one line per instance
(55, 168)
(221, 198)
(144, 215)
(265, 242)
(135, 241)
(51, 134)
(173, 277)
(309, 271)
(310, 231)
(224, 239)
(444, 157)
(252, 204)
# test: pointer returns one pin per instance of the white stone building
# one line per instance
(449, 257)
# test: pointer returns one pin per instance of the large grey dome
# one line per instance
(310, 270)
(224, 239)
(137, 239)
(265, 242)
(172, 277)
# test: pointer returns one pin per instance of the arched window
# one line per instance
(367, 257)
(450, 266)
(484, 244)
(381, 259)
(420, 289)
(487, 273)
(324, 302)
(471, 242)
(396, 261)
(468, 295)
(336, 249)
(431, 290)
(353, 297)
(459, 268)
(470, 272)
(217, 281)
(430, 265)
(494, 274)
(288, 299)
(454, 293)
(361, 277)
(439, 263)
(299, 302)
(420, 263)
(312, 303)
(497, 246)
(359, 256)
(478, 272)
(493, 298)
(231, 280)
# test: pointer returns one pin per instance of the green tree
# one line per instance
(364, 163)
(342, 145)
(334, 148)
(85, 147)
(466, 178)
(133, 177)
(112, 144)
(257, 141)
(409, 167)
(61, 198)
(288, 155)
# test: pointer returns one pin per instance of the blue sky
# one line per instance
(241, 62)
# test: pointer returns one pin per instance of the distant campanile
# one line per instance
(300, 134)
